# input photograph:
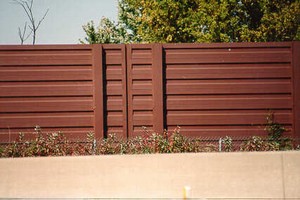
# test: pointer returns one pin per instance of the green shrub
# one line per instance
(50, 144)
(256, 143)
(228, 143)
(275, 133)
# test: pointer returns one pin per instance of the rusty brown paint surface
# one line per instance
(206, 89)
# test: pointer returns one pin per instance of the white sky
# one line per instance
(63, 23)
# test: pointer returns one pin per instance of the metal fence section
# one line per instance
(228, 89)
(209, 90)
(50, 86)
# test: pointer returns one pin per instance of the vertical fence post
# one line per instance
(296, 89)
(158, 89)
(98, 91)
(124, 91)
(129, 90)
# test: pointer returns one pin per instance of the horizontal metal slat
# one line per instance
(227, 71)
(8, 105)
(46, 89)
(228, 102)
(224, 117)
(45, 59)
(46, 120)
(45, 74)
(229, 57)
(229, 87)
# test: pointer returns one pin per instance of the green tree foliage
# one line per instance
(129, 18)
(107, 32)
(204, 21)
(270, 20)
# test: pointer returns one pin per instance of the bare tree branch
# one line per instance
(27, 6)
(31, 3)
(22, 3)
(42, 19)
(22, 36)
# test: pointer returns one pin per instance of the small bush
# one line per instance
(256, 143)
(228, 144)
(56, 144)
(275, 134)
(50, 144)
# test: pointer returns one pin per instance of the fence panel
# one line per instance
(140, 88)
(296, 89)
(228, 89)
(115, 92)
(50, 86)
(209, 90)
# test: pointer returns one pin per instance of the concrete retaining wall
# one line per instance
(209, 175)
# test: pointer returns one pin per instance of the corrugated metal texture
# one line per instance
(296, 89)
(115, 89)
(209, 90)
(49, 85)
(227, 89)
(140, 88)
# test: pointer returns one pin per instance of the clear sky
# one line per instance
(63, 23)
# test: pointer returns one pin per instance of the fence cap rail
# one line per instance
(229, 45)
(45, 47)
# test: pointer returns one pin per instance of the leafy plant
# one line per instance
(109, 145)
(274, 129)
(275, 140)
(256, 143)
(275, 133)
(49, 144)
(227, 141)
(56, 144)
